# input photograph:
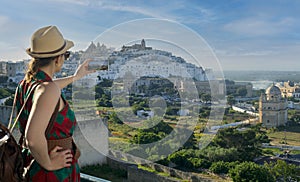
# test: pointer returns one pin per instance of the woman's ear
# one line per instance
(56, 60)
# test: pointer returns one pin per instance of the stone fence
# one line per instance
(5, 112)
(136, 175)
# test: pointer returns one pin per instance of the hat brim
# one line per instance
(68, 45)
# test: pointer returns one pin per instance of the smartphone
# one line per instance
(98, 65)
(103, 67)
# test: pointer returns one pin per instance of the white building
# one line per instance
(15, 70)
(145, 114)
(145, 61)
(183, 112)
(140, 61)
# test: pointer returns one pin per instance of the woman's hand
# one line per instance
(83, 70)
(60, 158)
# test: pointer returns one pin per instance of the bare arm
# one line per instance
(81, 71)
(44, 102)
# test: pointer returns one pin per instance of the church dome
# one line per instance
(273, 90)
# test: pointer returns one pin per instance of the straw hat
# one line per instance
(48, 42)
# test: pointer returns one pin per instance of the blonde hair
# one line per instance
(34, 65)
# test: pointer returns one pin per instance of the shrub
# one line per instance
(220, 167)
(249, 171)
(200, 163)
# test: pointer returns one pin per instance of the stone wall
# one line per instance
(91, 137)
(136, 175)
(5, 112)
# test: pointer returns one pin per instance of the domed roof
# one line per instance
(273, 90)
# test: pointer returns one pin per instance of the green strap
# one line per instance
(11, 125)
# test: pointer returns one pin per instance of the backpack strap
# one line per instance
(11, 125)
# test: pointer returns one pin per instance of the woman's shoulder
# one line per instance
(49, 89)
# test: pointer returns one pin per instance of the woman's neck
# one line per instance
(48, 70)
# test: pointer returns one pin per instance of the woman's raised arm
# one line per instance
(81, 71)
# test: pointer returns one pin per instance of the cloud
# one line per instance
(122, 6)
(260, 27)
(133, 9)
(3, 21)
(76, 2)
(148, 9)
(175, 10)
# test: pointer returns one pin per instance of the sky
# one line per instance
(243, 35)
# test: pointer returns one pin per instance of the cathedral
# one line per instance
(141, 46)
(272, 108)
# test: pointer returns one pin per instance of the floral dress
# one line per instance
(63, 127)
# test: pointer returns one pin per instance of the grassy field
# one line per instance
(292, 135)
(276, 151)
(278, 138)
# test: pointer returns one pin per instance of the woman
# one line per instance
(49, 51)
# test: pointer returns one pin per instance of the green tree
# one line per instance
(3, 79)
(206, 98)
(136, 107)
(222, 167)
(191, 142)
(241, 92)
(105, 83)
(172, 110)
(181, 157)
(113, 117)
(246, 142)
(199, 163)
(104, 101)
(283, 171)
(189, 158)
(9, 101)
(215, 153)
(155, 125)
(4, 93)
(230, 100)
(249, 171)
(145, 137)
(98, 91)
(294, 115)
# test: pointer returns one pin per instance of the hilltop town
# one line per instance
(145, 95)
